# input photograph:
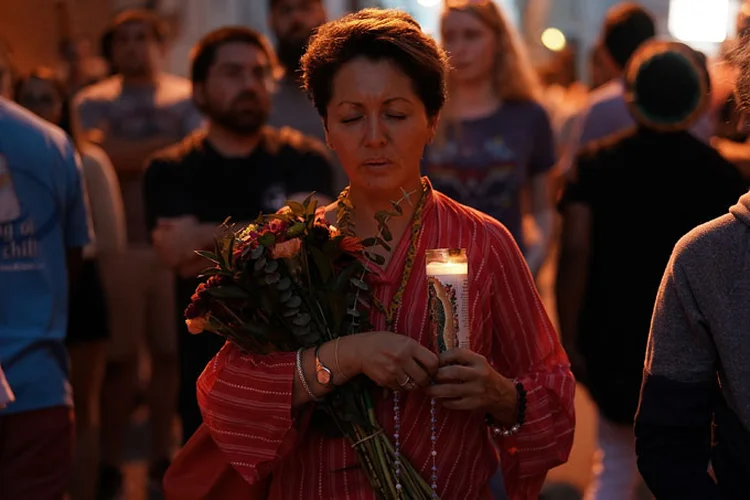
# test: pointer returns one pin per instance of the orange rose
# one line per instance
(287, 249)
(197, 325)
(350, 244)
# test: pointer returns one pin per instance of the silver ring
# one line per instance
(406, 383)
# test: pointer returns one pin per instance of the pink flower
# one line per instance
(287, 249)
(276, 226)
(197, 325)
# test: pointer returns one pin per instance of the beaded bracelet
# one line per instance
(301, 374)
(499, 430)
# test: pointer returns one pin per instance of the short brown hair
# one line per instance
(204, 52)
(375, 34)
(140, 16)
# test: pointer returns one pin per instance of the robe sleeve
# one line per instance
(246, 403)
(527, 348)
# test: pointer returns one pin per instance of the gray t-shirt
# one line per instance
(161, 114)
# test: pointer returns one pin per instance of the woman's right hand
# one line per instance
(391, 360)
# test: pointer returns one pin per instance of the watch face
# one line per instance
(324, 376)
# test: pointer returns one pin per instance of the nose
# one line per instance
(375, 135)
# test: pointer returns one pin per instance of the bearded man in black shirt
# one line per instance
(237, 167)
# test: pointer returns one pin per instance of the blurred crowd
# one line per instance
(597, 179)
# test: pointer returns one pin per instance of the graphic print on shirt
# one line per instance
(10, 207)
(19, 232)
(485, 178)
(273, 198)
(138, 117)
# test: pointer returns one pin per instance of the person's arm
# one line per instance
(105, 199)
(673, 423)
(538, 191)
(532, 354)
(252, 404)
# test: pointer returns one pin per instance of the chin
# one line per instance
(386, 181)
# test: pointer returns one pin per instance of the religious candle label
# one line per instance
(448, 291)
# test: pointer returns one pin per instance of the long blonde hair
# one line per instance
(514, 77)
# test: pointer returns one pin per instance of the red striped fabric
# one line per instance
(246, 399)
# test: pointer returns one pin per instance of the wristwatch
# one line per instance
(323, 374)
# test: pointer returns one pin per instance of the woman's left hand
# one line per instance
(466, 381)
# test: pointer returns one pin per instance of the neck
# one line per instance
(367, 203)
(141, 80)
(229, 143)
(473, 99)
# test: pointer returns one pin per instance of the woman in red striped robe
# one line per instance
(378, 83)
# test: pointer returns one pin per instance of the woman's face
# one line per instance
(377, 125)
(471, 46)
(40, 97)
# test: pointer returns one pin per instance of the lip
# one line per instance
(377, 162)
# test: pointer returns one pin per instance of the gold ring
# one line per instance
(406, 383)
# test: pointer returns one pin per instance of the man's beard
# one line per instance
(244, 122)
(290, 51)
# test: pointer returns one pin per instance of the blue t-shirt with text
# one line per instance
(42, 214)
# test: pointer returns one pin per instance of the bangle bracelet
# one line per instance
(302, 379)
(501, 430)
(336, 358)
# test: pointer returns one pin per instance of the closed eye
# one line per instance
(351, 120)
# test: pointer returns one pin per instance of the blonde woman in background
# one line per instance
(88, 323)
(495, 147)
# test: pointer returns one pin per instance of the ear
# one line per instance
(199, 95)
(432, 124)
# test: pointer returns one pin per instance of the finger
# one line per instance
(448, 391)
(454, 373)
(457, 356)
(403, 382)
(426, 358)
(458, 404)
(417, 373)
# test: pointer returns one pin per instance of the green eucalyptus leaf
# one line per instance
(375, 258)
(272, 278)
(369, 242)
(290, 313)
(302, 320)
(383, 244)
(257, 252)
(285, 295)
(343, 278)
(284, 284)
(294, 303)
(271, 267)
(354, 312)
(359, 284)
(397, 207)
(385, 232)
(260, 264)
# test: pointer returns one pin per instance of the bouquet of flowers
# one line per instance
(290, 281)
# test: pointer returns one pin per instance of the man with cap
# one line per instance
(628, 201)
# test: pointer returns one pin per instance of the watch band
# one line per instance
(323, 374)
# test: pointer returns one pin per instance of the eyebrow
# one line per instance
(389, 101)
